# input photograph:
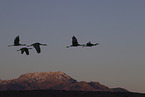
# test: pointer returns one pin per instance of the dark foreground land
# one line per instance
(59, 93)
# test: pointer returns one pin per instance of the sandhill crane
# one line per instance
(26, 50)
(17, 42)
(74, 43)
(37, 46)
(89, 44)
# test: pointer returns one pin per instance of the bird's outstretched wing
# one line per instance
(26, 51)
(22, 51)
(37, 47)
(74, 41)
(17, 40)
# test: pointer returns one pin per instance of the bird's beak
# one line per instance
(44, 44)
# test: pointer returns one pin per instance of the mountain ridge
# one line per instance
(53, 81)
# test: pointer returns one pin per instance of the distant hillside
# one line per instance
(53, 81)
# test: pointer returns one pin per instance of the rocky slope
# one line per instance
(52, 81)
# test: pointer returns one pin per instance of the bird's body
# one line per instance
(37, 46)
(26, 50)
(17, 42)
(74, 42)
(89, 44)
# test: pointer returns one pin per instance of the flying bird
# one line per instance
(17, 42)
(74, 43)
(89, 44)
(37, 46)
(26, 50)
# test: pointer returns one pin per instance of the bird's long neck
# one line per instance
(10, 45)
(68, 46)
(44, 44)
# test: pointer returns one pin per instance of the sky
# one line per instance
(117, 25)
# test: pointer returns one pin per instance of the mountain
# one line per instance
(87, 86)
(119, 90)
(52, 81)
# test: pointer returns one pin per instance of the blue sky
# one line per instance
(118, 25)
